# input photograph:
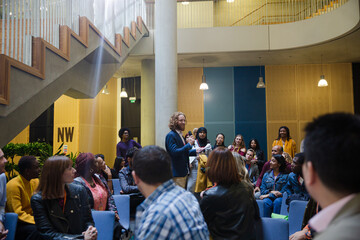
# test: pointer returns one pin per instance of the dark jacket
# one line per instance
(230, 212)
(110, 206)
(53, 223)
(179, 153)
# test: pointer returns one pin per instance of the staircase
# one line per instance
(326, 8)
(79, 68)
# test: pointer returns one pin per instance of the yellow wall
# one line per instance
(94, 122)
(190, 97)
(195, 14)
(22, 137)
(227, 14)
(293, 98)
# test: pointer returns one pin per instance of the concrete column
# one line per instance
(147, 102)
(165, 66)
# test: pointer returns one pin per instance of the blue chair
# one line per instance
(260, 203)
(104, 223)
(116, 186)
(122, 203)
(296, 215)
(10, 224)
(274, 229)
(284, 206)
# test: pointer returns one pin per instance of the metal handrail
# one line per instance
(221, 13)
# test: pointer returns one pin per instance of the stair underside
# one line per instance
(80, 69)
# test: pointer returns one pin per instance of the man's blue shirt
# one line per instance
(170, 212)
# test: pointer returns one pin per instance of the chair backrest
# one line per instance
(10, 224)
(122, 203)
(260, 203)
(274, 229)
(296, 215)
(284, 207)
(104, 223)
(116, 186)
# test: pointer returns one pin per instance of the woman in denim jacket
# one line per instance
(273, 185)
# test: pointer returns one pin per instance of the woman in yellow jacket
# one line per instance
(284, 140)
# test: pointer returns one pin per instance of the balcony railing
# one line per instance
(222, 13)
(23, 19)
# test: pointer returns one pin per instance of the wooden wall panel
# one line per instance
(89, 113)
(94, 120)
(312, 100)
(280, 93)
(89, 136)
(305, 100)
(341, 88)
(190, 97)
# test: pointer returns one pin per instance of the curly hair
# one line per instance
(174, 120)
(122, 130)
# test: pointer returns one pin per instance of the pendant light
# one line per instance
(203, 85)
(322, 82)
(123, 93)
(261, 83)
(105, 90)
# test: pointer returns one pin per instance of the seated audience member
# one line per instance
(275, 150)
(284, 140)
(307, 232)
(238, 145)
(19, 191)
(125, 177)
(194, 132)
(99, 195)
(104, 171)
(229, 208)
(125, 144)
(331, 174)
(202, 146)
(3, 160)
(61, 208)
(127, 182)
(119, 163)
(219, 141)
(169, 211)
(251, 166)
(295, 187)
(259, 154)
(273, 185)
(287, 157)
(240, 165)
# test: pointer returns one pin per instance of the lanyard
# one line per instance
(31, 189)
(64, 200)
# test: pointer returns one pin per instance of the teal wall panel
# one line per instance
(219, 111)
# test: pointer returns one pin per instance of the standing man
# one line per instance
(331, 174)
(178, 149)
(19, 191)
(3, 160)
(168, 212)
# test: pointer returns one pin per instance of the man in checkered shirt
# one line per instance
(168, 212)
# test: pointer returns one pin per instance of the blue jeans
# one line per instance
(269, 205)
